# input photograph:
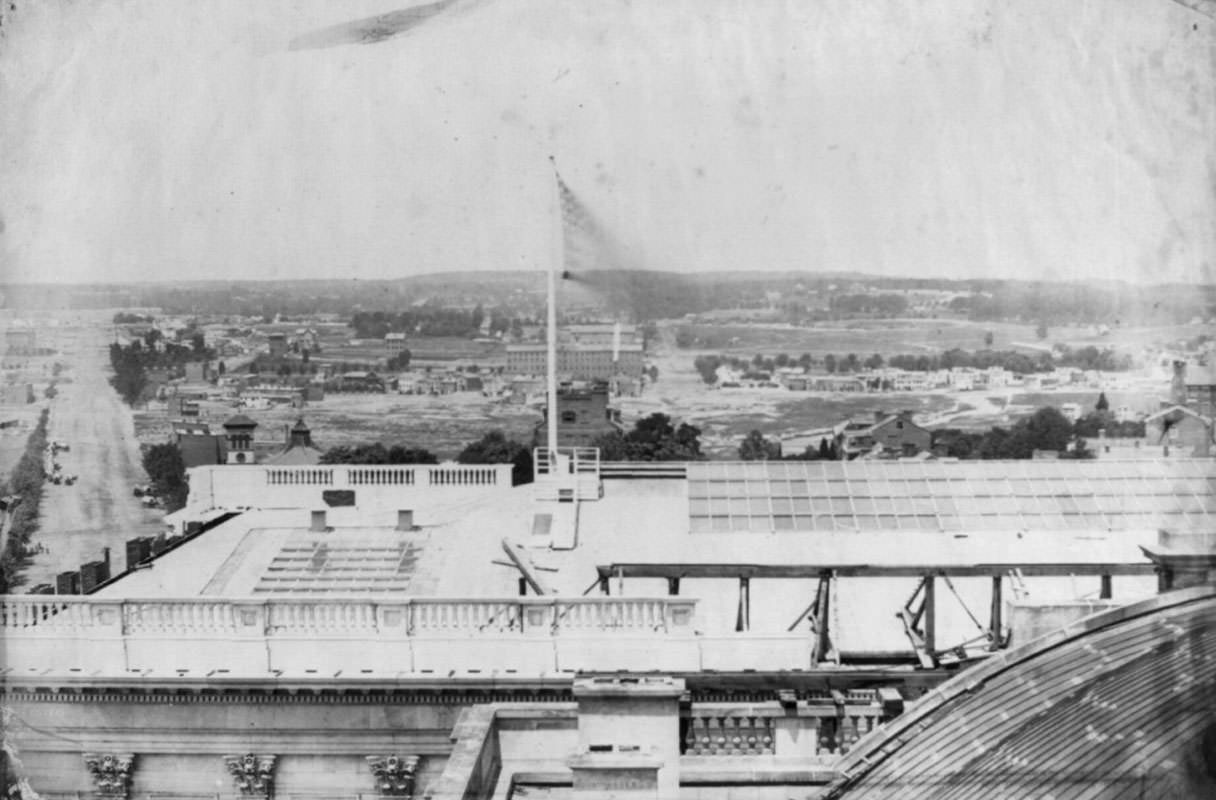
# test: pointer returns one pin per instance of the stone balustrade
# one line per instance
(266, 486)
(819, 729)
(533, 634)
(259, 636)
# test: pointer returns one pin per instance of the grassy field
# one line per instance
(443, 425)
(890, 337)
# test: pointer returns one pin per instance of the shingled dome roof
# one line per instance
(1119, 705)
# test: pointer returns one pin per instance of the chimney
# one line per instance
(105, 557)
(405, 520)
(318, 522)
(1178, 384)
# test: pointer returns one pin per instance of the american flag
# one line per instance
(585, 244)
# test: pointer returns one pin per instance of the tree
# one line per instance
(653, 438)
(1103, 404)
(1046, 429)
(167, 471)
(198, 343)
(496, 448)
(707, 366)
(829, 363)
(988, 339)
(376, 453)
(1041, 330)
(755, 447)
(221, 368)
(874, 362)
(653, 372)
(825, 450)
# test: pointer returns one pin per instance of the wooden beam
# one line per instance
(996, 615)
(684, 570)
(525, 566)
(930, 609)
(743, 620)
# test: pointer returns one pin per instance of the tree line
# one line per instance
(24, 491)
(132, 361)
(431, 320)
(1045, 430)
(1086, 358)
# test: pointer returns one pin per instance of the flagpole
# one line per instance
(556, 260)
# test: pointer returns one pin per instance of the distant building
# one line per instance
(888, 435)
(278, 344)
(394, 342)
(1181, 430)
(578, 361)
(583, 416)
(300, 450)
(1199, 387)
(198, 445)
(238, 435)
(360, 382)
(20, 341)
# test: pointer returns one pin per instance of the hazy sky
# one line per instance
(180, 139)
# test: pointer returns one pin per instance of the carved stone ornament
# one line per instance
(394, 774)
(111, 772)
(253, 775)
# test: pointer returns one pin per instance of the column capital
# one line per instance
(111, 773)
(394, 774)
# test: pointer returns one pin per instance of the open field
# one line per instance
(443, 425)
(914, 336)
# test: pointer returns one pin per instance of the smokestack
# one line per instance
(405, 520)
(318, 522)
(616, 343)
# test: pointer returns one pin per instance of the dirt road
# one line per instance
(98, 510)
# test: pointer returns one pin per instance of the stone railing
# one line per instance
(266, 486)
(527, 634)
(818, 729)
(35, 614)
(419, 475)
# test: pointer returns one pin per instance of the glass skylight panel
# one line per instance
(950, 523)
(903, 505)
(803, 505)
(971, 522)
(884, 505)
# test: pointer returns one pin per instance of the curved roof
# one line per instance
(239, 421)
(1121, 704)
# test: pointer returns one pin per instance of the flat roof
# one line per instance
(644, 526)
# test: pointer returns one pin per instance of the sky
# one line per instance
(178, 140)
